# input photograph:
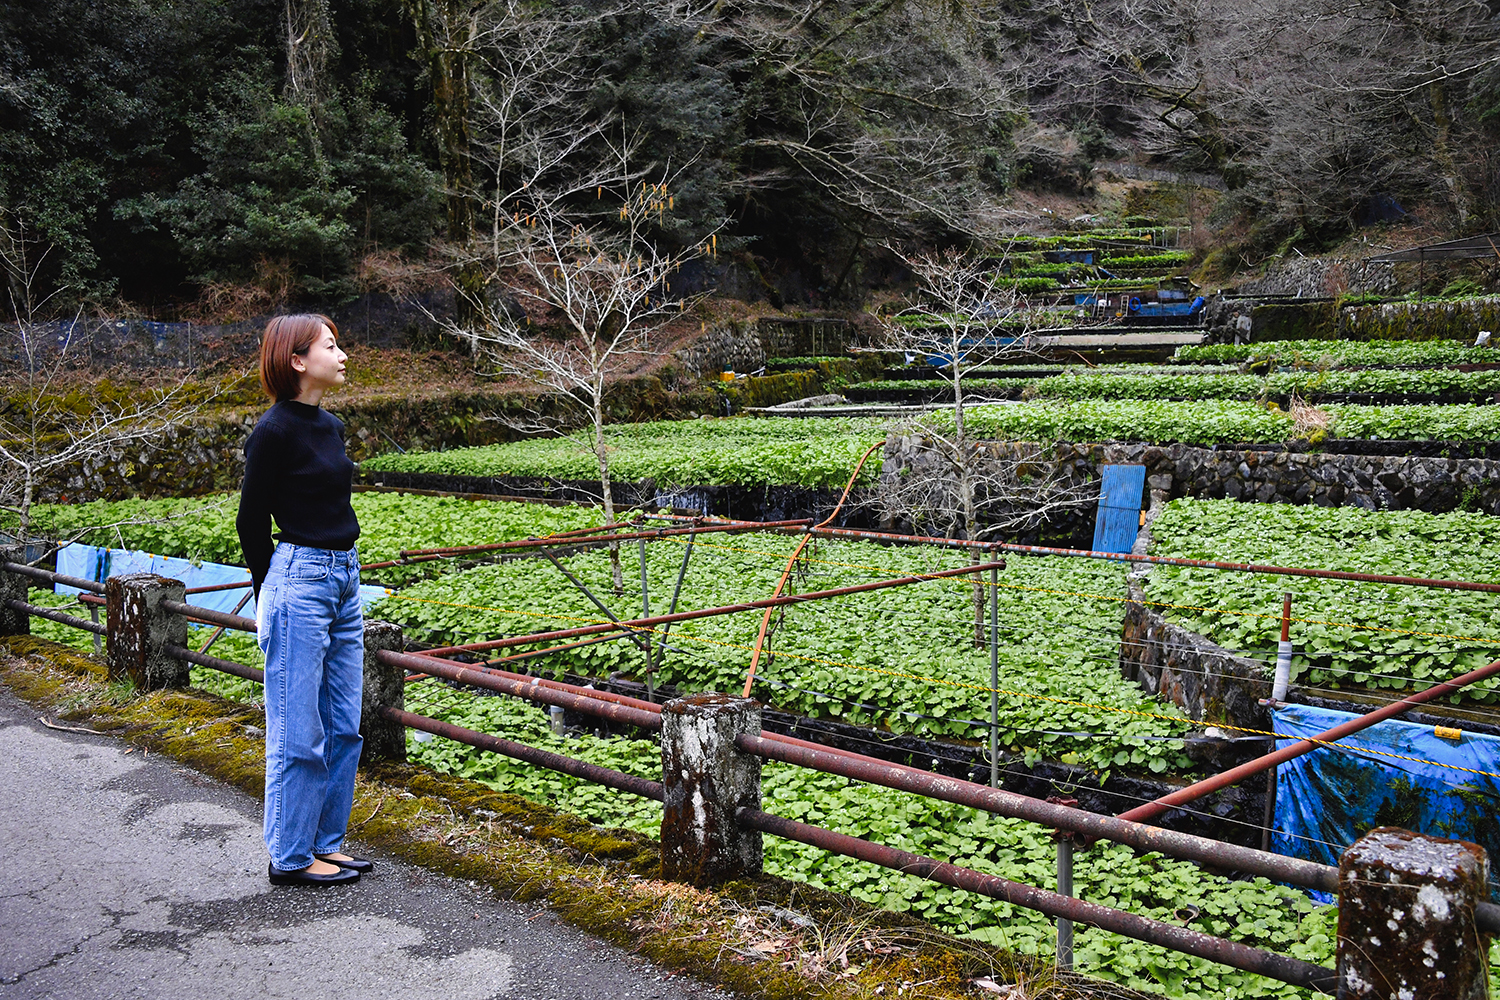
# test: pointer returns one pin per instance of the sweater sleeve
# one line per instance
(254, 520)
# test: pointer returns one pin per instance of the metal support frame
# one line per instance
(728, 609)
(995, 677)
(643, 642)
(1064, 888)
(646, 613)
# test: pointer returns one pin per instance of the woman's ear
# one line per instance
(298, 363)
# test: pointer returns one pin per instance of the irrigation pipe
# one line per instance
(1042, 550)
(531, 755)
(1214, 949)
(765, 622)
(682, 616)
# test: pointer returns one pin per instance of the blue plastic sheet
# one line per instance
(98, 564)
(1397, 774)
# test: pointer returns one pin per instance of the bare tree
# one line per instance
(1307, 106)
(583, 298)
(966, 315)
(43, 432)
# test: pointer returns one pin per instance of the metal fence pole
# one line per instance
(646, 613)
(1064, 888)
(1279, 685)
(995, 677)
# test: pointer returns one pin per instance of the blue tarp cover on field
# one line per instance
(98, 564)
(1328, 799)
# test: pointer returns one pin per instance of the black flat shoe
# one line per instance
(304, 877)
(353, 864)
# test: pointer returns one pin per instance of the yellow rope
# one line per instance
(1119, 600)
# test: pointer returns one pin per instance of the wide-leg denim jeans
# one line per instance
(312, 632)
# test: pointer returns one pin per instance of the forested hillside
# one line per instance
(170, 153)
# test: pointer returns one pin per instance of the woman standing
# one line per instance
(309, 623)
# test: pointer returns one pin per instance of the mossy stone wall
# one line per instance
(1460, 319)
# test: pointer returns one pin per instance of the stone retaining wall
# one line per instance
(1249, 320)
(1373, 482)
(1207, 682)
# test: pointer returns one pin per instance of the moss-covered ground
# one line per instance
(767, 938)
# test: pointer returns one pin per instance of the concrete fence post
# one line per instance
(13, 587)
(706, 779)
(1406, 918)
(384, 687)
(140, 629)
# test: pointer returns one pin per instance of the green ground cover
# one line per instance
(1158, 383)
(202, 528)
(1196, 386)
(1346, 633)
(1340, 353)
(1209, 422)
(901, 659)
(682, 452)
(1255, 911)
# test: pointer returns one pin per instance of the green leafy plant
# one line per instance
(1252, 911)
(1346, 633)
(684, 452)
(1339, 354)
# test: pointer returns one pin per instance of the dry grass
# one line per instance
(1308, 422)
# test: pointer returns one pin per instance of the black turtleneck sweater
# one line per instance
(296, 471)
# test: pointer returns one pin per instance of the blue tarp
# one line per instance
(1328, 799)
(97, 564)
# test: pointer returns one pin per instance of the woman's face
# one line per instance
(321, 366)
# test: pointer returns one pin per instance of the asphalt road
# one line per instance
(127, 876)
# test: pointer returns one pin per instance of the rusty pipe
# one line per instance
(1043, 550)
(1220, 950)
(215, 663)
(1223, 779)
(594, 693)
(728, 609)
(216, 587)
(195, 613)
(531, 755)
(1092, 825)
(532, 689)
(53, 615)
(48, 576)
(532, 543)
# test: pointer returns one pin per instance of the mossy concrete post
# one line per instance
(13, 587)
(705, 780)
(1406, 918)
(140, 629)
(384, 687)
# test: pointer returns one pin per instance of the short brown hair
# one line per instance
(285, 336)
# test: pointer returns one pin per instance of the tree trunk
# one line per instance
(602, 454)
(443, 32)
(1442, 150)
(966, 457)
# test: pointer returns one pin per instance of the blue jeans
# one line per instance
(312, 632)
